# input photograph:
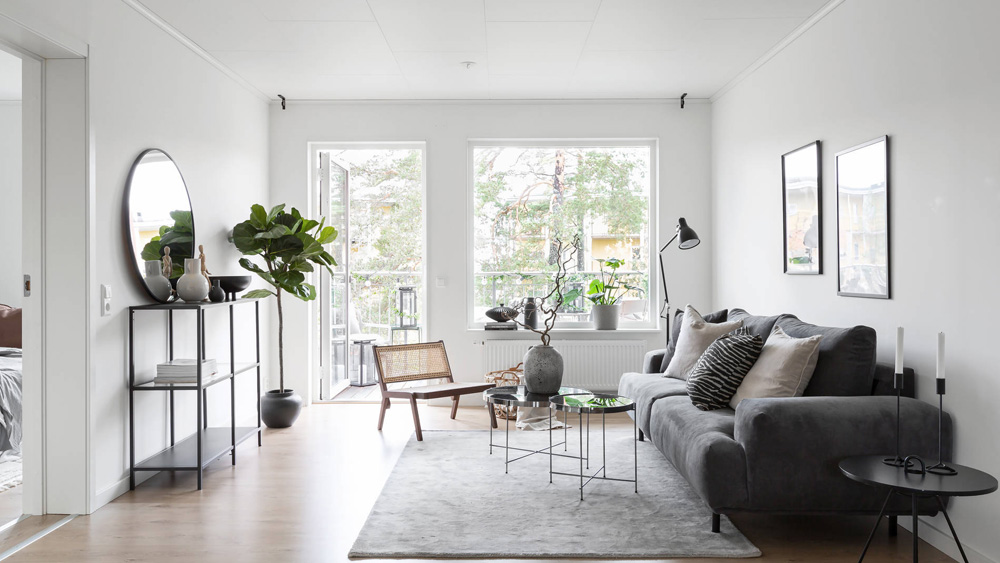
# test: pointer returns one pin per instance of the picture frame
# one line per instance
(802, 210)
(863, 220)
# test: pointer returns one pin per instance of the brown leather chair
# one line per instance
(415, 362)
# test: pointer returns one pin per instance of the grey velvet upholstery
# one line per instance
(793, 447)
(675, 332)
(882, 384)
(645, 389)
(761, 326)
(653, 360)
(701, 447)
(781, 455)
(846, 363)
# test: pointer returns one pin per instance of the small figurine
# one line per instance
(204, 268)
(168, 263)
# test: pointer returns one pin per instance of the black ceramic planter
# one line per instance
(280, 409)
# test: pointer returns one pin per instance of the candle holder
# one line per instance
(897, 461)
(941, 468)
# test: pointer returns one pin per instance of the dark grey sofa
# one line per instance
(781, 455)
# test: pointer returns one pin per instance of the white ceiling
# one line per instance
(412, 49)
(10, 77)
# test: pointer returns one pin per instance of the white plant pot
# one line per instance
(157, 284)
(192, 286)
(606, 317)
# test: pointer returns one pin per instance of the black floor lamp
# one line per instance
(688, 239)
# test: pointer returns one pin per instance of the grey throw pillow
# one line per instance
(695, 337)
(783, 369)
(721, 369)
(675, 332)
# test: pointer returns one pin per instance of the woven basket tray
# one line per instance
(505, 378)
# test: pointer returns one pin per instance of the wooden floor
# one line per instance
(305, 495)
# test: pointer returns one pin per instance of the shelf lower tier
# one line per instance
(183, 456)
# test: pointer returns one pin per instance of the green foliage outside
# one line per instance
(527, 197)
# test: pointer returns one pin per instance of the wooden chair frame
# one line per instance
(423, 361)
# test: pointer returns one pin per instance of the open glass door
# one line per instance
(334, 183)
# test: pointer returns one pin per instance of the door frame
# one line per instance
(57, 182)
(316, 208)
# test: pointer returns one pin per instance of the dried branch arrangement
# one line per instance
(550, 304)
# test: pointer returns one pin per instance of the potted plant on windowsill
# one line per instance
(606, 292)
(543, 365)
(290, 245)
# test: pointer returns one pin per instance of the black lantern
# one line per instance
(406, 306)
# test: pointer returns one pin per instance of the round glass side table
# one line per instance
(602, 404)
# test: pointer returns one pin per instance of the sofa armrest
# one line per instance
(793, 447)
(651, 363)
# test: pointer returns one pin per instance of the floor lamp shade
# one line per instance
(686, 236)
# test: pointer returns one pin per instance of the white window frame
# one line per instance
(652, 319)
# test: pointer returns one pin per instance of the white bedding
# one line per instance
(10, 405)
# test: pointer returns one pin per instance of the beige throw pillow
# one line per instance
(696, 336)
(783, 369)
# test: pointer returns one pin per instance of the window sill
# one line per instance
(525, 334)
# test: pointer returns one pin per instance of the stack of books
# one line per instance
(185, 370)
(501, 326)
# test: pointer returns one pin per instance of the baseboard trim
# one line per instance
(942, 540)
(119, 488)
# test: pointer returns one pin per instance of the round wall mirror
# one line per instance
(159, 223)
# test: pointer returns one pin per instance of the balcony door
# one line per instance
(374, 195)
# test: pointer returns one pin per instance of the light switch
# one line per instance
(441, 282)
(105, 300)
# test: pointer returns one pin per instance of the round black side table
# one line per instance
(871, 471)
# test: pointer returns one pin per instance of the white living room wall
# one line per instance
(146, 90)
(446, 127)
(926, 76)
(10, 195)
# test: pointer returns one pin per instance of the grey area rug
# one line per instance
(448, 497)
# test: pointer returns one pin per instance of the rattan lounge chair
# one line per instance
(415, 362)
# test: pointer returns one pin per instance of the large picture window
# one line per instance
(527, 196)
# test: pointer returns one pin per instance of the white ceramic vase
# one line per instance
(157, 284)
(192, 286)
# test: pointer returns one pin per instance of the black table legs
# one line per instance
(916, 537)
(954, 534)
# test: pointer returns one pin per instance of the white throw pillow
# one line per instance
(783, 369)
(696, 336)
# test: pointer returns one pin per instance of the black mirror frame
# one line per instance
(127, 224)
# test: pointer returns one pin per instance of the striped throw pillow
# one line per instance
(721, 369)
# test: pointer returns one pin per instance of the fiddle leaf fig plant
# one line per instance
(290, 246)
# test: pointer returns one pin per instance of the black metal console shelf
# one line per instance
(207, 444)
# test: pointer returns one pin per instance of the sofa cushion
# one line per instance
(761, 326)
(696, 336)
(846, 363)
(645, 389)
(721, 369)
(675, 333)
(784, 368)
(701, 447)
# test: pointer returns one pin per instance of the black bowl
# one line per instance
(232, 284)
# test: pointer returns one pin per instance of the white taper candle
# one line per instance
(899, 349)
(940, 356)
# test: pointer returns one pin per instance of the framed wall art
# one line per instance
(802, 206)
(863, 220)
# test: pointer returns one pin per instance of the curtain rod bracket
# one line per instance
(684, 95)
(283, 101)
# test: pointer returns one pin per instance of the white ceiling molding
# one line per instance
(779, 47)
(195, 48)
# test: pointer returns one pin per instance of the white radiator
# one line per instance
(596, 365)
